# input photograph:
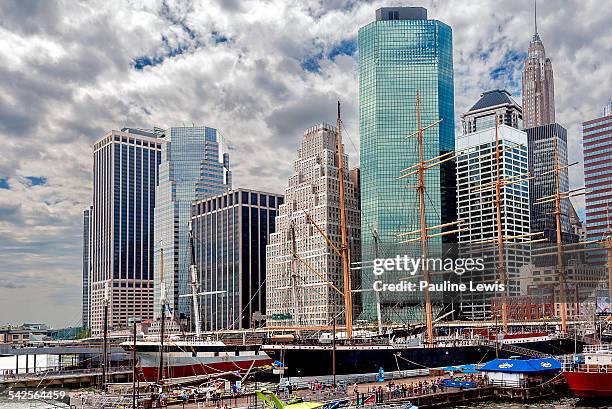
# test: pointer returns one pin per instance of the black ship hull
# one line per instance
(309, 360)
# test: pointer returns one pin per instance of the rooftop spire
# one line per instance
(536, 36)
(535, 16)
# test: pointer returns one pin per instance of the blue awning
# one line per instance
(522, 365)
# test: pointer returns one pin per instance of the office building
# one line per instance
(542, 141)
(538, 85)
(496, 103)
(86, 299)
(402, 52)
(300, 263)
(597, 145)
(124, 177)
(192, 167)
(476, 171)
(231, 232)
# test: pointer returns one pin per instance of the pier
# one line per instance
(65, 378)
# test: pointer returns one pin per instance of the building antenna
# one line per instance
(535, 15)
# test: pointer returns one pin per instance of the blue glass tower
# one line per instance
(192, 168)
(400, 53)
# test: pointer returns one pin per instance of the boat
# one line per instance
(173, 356)
(193, 357)
(416, 348)
(589, 375)
(359, 356)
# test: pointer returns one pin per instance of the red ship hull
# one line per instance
(179, 371)
(590, 384)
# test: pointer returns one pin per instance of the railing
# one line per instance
(304, 382)
(65, 373)
(592, 349)
(570, 366)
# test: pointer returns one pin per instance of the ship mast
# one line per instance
(421, 190)
(294, 277)
(423, 234)
(162, 301)
(344, 248)
(560, 255)
(194, 284)
(105, 341)
(500, 235)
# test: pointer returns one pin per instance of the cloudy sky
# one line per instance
(259, 71)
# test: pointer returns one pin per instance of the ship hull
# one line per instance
(589, 384)
(303, 360)
(179, 367)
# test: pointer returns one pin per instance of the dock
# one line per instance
(65, 378)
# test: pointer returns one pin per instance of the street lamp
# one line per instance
(133, 321)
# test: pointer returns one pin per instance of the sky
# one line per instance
(261, 72)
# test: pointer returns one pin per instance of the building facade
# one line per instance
(538, 85)
(496, 103)
(401, 53)
(124, 178)
(541, 142)
(476, 167)
(86, 299)
(300, 263)
(231, 232)
(597, 145)
(192, 167)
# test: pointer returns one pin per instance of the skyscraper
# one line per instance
(538, 84)
(191, 168)
(124, 178)
(493, 103)
(597, 145)
(231, 232)
(402, 53)
(86, 300)
(300, 263)
(542, 141)
(476, 167)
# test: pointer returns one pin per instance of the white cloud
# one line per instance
(68, 76)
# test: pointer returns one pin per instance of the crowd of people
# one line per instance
(394, 390)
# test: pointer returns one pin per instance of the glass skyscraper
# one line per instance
(230, 236)
(124, 178)
(192, 168)
(402, 53)
(542, 141)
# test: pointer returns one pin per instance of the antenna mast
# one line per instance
(535, 15)
(344, 248)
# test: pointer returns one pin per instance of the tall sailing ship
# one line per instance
(352, 353)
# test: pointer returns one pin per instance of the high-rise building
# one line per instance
(576, 224)
(86, 300)
(476, 167)
(124, 177)
(300, 262)
(493, 103)
(597, 145)
(542, 141)
(401, 53)
(192, 167)
(231, 232)
(538, 85)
